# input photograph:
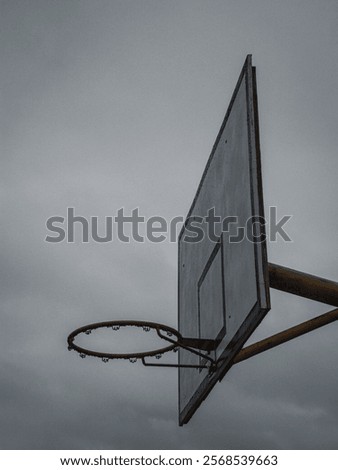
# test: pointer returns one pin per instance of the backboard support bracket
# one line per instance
(283, 279)
(304, 285)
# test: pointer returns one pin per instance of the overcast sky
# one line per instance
(110, 104)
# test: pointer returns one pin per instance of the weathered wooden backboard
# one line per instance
(223, 290)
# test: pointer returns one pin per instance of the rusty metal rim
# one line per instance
(122, 323)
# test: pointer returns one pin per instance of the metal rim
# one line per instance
(122, 323)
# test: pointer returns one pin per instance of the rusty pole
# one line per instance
(286, 335)
(304, 285)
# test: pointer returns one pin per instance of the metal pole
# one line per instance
(304, 285)
(286, 335)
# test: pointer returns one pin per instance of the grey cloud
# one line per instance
(117, 104)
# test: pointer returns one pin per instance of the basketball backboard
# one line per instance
(223, 291)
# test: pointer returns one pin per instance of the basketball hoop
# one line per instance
(163, 331)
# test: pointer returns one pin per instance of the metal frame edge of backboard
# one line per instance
(262, 306)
